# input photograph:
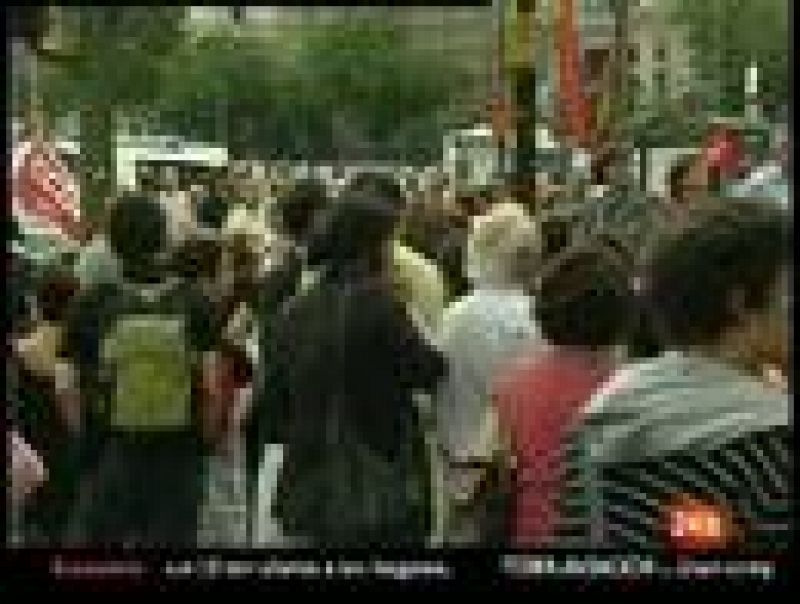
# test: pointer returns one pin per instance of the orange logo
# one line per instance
(694, 525)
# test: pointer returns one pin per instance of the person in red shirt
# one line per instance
(583, 309)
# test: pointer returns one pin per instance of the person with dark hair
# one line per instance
(436, 228)
(298, 211)
(142, 345)
(213, 204)
(54, 292)
(689, 179)
(703, 425)
(676, 187)
(417, 279)
(582, 309)
(346, 362)
(298, 208)
(197, 259)
(38, 410)
(380, 185)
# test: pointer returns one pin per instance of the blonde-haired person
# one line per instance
(481, 332)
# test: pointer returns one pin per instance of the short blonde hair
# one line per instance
(503, 247)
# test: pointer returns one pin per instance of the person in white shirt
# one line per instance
(482, 331)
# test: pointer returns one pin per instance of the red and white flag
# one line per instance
(44, 192)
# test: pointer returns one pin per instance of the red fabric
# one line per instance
(220, 386)
(218, 391)
(538, 404)
(45, 189)
(574, 104)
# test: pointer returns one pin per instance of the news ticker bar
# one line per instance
(441, 567)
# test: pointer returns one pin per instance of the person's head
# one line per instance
(583, 297)
(212, 210)
(503, 248)
(53, 293)
(382, 186)
(555, 232)
(298, 208)
(137, 232)
(720, 282)
(197, 258)
(426, 223)
(357, 231)
(149, 182)
(19, 309)
(677, 179)
(690, 177)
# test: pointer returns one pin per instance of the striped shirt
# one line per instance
(679, 429)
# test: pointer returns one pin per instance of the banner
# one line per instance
(44, 193)
(574, 106)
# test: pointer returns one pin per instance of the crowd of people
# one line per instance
(437, 370)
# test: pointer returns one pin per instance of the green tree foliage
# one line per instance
(320, 91)
(107, 63)
(727, 36)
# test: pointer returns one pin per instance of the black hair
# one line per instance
(54, 290)
(677, 174)
(212, 210)
(300, 206)
(197, 258)
(556, 236)
(379, 185)
(584, 297)
(19, 311)
(735, 245)
(137, 230)
(356, 230)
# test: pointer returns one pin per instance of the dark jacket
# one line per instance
(347, 348)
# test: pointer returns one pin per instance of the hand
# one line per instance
(775, 378)
(27, 472)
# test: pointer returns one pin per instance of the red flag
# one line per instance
(43, 188)
(574, 106)
(723, 151)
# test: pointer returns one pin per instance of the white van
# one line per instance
(164, 150)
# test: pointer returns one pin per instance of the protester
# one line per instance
(437, 226)
(214, 203)
(418, 281)
(41, 406)
(480, 332)
(564, 369)
(341, 390)
(700, 425)
(297, 211)
(142, 345)
(583, 310)
(690, 181)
